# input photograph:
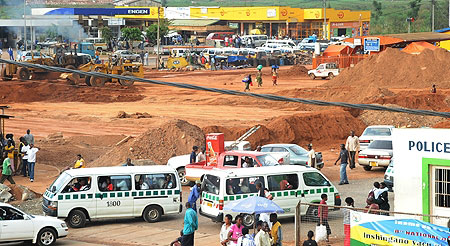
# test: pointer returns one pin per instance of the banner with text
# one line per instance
(370, 229)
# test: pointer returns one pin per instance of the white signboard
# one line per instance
(271, 13)
(116, 22)
(172, 13)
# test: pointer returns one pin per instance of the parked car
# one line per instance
(389, 176)
(378, 154)
(257, 40)
(16, 225)
(324, 70)
(297, 154)
(128, 55)
(26, 56)
(371, 133)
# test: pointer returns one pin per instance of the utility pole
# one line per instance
(325, 33)
(25, 24)
(158, 41)
(433, 2)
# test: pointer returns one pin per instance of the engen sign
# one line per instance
(214, 146)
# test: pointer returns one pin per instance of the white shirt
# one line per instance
(246, 240)
(265, 217)
(377, 192)
(24, 150)
(311, 155)
(224, 233)
(32, 154)
(352, 143)
(262, 238)
(144, 186)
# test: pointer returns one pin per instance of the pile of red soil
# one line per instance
(442, 124)
(396, 69)
(296, 70)
(33, 91)
(301, 129)
(159, 144)
(417, 100)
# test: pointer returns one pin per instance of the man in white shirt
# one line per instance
(24, 150)
(263, 238)
(31, 153)
(311, 156)
(352, 146)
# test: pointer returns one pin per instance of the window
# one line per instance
(315, 179)
(243, 185)
(279, 149)
(380, 144)
(114, 183)
(283, 182)
(59, 182)
(298, 150)
(247, 161)
(78, 184)
(320, 67)
(231, 160)
(266, 149)
(155, 181)
(8, 213)
(211, 184)
(442, 187)
(377, 132)
(267, 160)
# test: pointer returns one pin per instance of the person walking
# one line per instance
(311, 156)
(350, 203)
(246, 239)
(262, 238)
(276, 232)
(31, 153)
(259, 76)
(343, 156)
(7, 170)
(274, 75)
(225, 229)
(9, 148)
(194, 195)
(190, 226)
(235, 231)
(352, 146)
(29, 137)
(310, 241)
(11, 53)
(23, 147)
(193, 157)
(247, 80)
(323, 215)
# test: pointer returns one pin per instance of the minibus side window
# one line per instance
(211, 184)
(155, 181)
(315, 179)
(114, 183)
(78, 184)
(282, 182)
(243, 185)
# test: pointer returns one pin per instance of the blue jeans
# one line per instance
(31, 169)
(24, 167)
(343, 173)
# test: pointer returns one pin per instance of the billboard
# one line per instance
(371, 229)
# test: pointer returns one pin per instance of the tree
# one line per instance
(132, 34)
(107, 34)
(164, 3)
(415, 7)
(377, 9)
(152, 31)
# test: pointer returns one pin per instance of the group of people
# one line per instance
(347, 156)
(248, 79)
(378, 199)
(19, 159)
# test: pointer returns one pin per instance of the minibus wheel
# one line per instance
(248, 220)
(312, 214)
(152, 214)
(76, 219)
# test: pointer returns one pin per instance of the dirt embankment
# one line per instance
(59, 91)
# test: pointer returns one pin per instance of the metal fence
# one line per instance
(307, 219)
(341, 61)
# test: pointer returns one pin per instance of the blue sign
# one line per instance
(371, 44)
(99, 11)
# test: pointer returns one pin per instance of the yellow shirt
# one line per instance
(10, 154)
(274, 231)
(79, 163)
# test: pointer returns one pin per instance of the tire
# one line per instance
(126, 82)
(312, 214)
(367, 168)
(76, 219)
(97, 81)
(330, 75)
(248, 220)
(312, 76)
(46, 237)
(4, 76)
(182, 175)
(23, 73)
(87, 80)
(152, 214)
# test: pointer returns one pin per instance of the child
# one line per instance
(346, 211)
(246, 239)
(310, 241)
(177, 242)
(323, 215)
(274, 75)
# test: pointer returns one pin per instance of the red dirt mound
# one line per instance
(396, 69)
(442, 124)
(173, 138)
(429, 101)
(14, 91)
(296, 70)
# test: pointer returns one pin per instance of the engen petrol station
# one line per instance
(278, 21)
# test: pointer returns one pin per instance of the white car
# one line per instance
(371, 133)
(378, 154)
(324, 70)
(16, 225)
(26, 56)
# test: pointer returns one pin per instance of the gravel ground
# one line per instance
(33, 207)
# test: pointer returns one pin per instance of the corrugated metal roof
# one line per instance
(199, 22)
(443, 30)
(420, 36)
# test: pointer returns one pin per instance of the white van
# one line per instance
(287, 184)
(281, 42)
(257, 40)
(84, 194)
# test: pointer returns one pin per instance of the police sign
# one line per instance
(371, 44)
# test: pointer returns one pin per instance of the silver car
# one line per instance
(378, 154)
(128, 55)
(371, 133)
(298, 155)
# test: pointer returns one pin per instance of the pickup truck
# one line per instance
(231, 159)
(324, 70)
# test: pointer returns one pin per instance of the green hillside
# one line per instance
(387, 16)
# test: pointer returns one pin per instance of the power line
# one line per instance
(237, 93)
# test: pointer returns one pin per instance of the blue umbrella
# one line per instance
(254, 205)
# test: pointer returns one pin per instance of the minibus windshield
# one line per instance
(59, 182)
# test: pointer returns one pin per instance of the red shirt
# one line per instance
(323, 210)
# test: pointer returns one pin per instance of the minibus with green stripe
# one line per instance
(84, 194)
(288, 184)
